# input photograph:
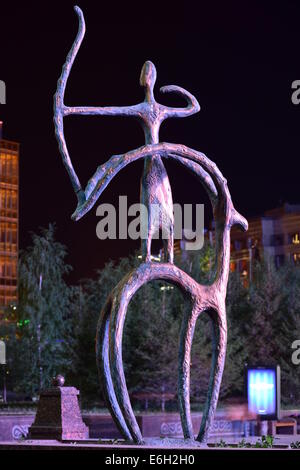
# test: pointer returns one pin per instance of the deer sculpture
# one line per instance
(155, 189)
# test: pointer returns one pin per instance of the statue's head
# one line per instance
(148, 75)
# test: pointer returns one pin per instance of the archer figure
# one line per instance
(155, 189)
(155, 185)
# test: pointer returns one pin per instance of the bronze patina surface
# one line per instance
(155, 189)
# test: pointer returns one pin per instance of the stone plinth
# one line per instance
(58, 416)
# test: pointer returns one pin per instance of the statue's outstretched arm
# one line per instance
(192, 103)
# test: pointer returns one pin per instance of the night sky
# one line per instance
(238, 58)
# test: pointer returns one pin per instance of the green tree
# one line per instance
(41, 345)
(91, 297)
(151, 339)
(151, 332)
(239, 313)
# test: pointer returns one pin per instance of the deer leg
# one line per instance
(118, 316)
(219, 338)
(103, 362)
(185, 346)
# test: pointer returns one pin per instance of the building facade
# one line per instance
(9, 221)
(275, 235)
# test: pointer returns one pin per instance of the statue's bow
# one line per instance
(149, 113)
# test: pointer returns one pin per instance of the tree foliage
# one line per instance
(40, 342)
(55, 325)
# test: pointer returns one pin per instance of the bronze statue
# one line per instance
(155, 188)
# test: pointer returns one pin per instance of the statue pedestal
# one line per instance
(58, 416)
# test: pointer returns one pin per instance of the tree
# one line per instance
(41, 343)
(151, 332)
(239, 311)
(91, 296)
(263, 321)
(151, 339)
(55, 324)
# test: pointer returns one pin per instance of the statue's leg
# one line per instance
(146, 242)
(167, 229)
(102, 355)
(185, 346)
(149, 241)
(219, 339)
(170, 247)
(144, 248)
(151, 232)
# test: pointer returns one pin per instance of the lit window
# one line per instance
(232, 266)
(296, 258)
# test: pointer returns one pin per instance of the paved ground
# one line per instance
(153, 443)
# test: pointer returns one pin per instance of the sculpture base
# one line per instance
(58, 416)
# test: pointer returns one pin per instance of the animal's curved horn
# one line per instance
(192, 103)
(59, 107)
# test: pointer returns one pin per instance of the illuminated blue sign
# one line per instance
(263, 391)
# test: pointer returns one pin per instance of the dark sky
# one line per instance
(238, 58)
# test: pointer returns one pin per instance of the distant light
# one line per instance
(154, 258)
(296, 239)
(23, 322)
